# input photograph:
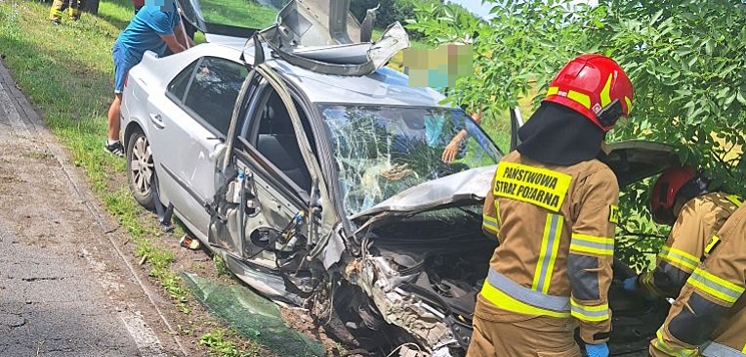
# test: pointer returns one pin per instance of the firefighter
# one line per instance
(58, 6)
(553, 209)
(680, 198)
(708, 318)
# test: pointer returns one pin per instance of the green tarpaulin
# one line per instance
(252, 315)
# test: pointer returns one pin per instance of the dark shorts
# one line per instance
(123, 62)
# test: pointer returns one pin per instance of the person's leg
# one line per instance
(481, 342)
(76, 6)
(55, 13)
(74, 10)
(501, 333)
(113, 116)
(121, 67)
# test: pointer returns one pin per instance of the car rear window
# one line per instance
(178, 85)
(212, 91)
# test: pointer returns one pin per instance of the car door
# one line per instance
(273, 215)
(190, 131)
(277, 185)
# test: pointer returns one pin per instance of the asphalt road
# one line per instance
(65, 289)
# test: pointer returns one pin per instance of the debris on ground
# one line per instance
(252, 316)
(189, 242)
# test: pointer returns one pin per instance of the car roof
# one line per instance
(385, 86)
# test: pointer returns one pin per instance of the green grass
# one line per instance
(220, 267)
(220, 343)
(242, 13)
(67, 72)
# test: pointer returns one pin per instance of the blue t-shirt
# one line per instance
(145, 30)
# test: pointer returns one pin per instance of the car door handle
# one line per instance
(157, 120)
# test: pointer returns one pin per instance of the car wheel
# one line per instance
(140, 169)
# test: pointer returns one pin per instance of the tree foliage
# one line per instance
(390, 11)
(685, 58)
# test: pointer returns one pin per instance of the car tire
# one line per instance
(140, 169)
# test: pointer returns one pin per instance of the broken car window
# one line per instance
(178, 85)
(278, 143)
(381, 151)
(213, 91)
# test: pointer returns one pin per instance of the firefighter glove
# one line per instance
(630, 284)
(599, 350)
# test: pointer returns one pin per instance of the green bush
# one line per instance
(685, 58)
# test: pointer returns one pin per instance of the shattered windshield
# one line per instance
(382, 150)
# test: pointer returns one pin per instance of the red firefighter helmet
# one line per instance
(595, 86)
(665, 191)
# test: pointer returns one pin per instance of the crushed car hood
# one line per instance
(467, 185)
(631, 161)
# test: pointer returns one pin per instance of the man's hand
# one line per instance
(599, 350)
(630, 284)
(449, 154)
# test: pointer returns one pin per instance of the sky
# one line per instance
(482, 10)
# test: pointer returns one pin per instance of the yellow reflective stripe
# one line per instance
(662, 346)
(555, 251)
(552, 91)
(606, 92)
(497, 213)
(680, 258)
(548, 253)
(582, 243)
(713, 241)
(715, 286)
(736, 200)
(589, 313)
(629, 105)
(489, 223)
(581, 98)
(614, 214)
(507, 302)
(538, 186)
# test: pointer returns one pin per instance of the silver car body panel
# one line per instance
(167, 125)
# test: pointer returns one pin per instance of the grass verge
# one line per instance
(242, 13)
(221, 343)
(66, 70)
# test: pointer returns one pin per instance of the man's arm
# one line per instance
(681, 253)
(173, 44)
(591, 255)
(182, 37)
(710, 292)
(166, 25)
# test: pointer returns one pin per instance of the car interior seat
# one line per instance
(277, 142)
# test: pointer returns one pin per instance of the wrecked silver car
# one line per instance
(316, 173)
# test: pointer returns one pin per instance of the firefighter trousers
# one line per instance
(73, 6)
(504, 334)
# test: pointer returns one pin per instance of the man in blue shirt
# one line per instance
(156, 27)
